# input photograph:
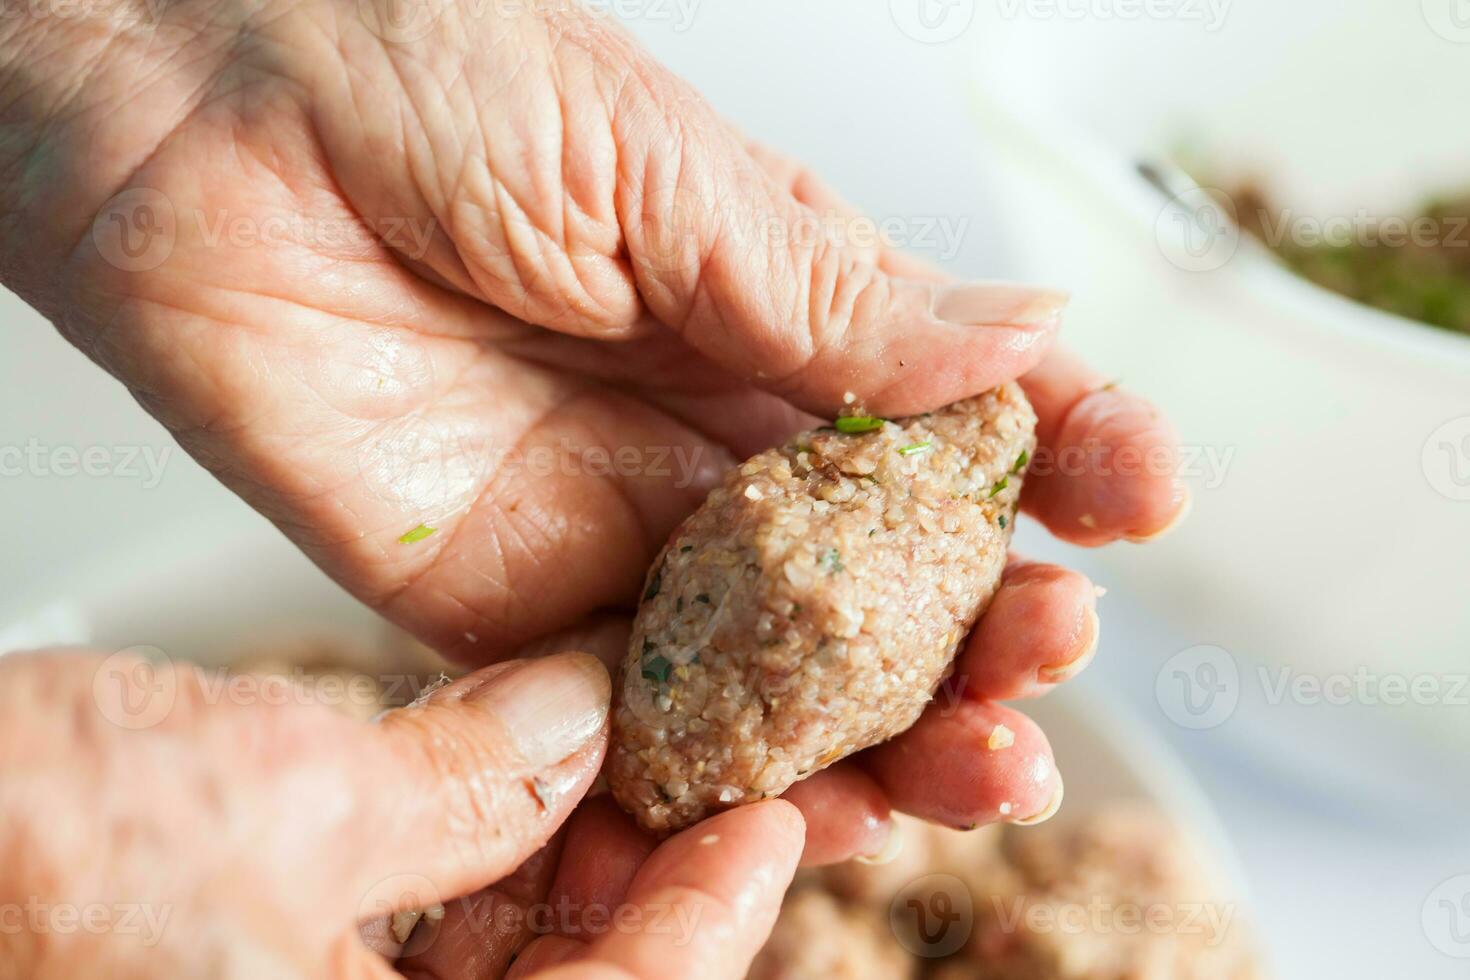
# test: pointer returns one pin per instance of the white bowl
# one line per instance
(1330, 533)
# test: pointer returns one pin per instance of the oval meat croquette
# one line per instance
(813, 604)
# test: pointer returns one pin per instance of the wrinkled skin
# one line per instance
(229, 835)
(384, 262)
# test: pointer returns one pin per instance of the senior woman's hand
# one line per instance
(157, 822)
(477, 304)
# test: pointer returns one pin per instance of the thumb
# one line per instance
(784, 295)
(478, 776)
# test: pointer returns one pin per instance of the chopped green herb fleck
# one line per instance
(914, 448)
(702, 597)
(654, 584)
(1005, 481)
(1003, 522)
(417, 534)
(656, 669)
(686, 549)
(857, 424)
(831, 560)
(1021, 461)
(872, 531)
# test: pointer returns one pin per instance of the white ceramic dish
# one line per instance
(1329, 539)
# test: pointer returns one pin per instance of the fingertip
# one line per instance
(846, 816)
(1040, 629)
(1183, 504)
(779, 818)
(1109, 470)
(974, 764)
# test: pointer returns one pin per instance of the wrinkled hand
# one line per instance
(155, 824)
(503, 277)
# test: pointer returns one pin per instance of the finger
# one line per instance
(353, 961)
(480, 934)
(1108, 461)
(811, 190)
(475, 778)
(722, 255)
(602, 636)
(543, 953)
(847, 816)
(705, 901)
(1135, 506)
(969, 763)
(605, 849)
(1040, 629)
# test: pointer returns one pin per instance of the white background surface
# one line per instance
(886, 118)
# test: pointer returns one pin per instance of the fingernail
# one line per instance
(1185, 506)
(892, 847)
(550, 707)
(998, 304)
(1047, 812)
(1056, 674)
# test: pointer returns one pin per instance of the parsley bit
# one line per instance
(656, 669)
(858, 424)
(654, 584)
(1005, 481)
(417, 534)
(1002, 522)
(915, 448)
(831, 560)
(1021, 461)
